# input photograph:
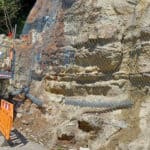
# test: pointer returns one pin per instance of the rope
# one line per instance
(99, 104)
(107, 110)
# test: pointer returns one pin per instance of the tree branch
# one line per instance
(6, 23)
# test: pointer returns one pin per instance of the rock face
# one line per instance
(96, 49)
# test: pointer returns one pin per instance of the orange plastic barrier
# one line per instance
(6, 118)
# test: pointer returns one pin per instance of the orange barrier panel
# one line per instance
(6, 118)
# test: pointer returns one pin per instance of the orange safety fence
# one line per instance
(6, 118)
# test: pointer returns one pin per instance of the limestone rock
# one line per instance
(2, 140)
(66, 132)
(81, 148)
(88, 124)
(108, 59)
(89, 49)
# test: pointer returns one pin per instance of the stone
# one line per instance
(55, 98)
(81, 148)
(68, 3)
(2, 140)
(88, 124)
(33, 108)
(66, 133)
(19, 115)
(143, 140)
(143, 58)
(123, 146)
(110, 59)
(122, 7)
(133, 2)
(25, 122)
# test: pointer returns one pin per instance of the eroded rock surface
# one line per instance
(91, 50)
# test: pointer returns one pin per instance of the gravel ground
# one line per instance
(28, 146)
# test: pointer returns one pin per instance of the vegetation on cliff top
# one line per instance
(14, 12)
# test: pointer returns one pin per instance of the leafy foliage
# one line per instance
(14, 12)
(8, 14)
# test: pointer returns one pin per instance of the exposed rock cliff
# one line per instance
(94, 49)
